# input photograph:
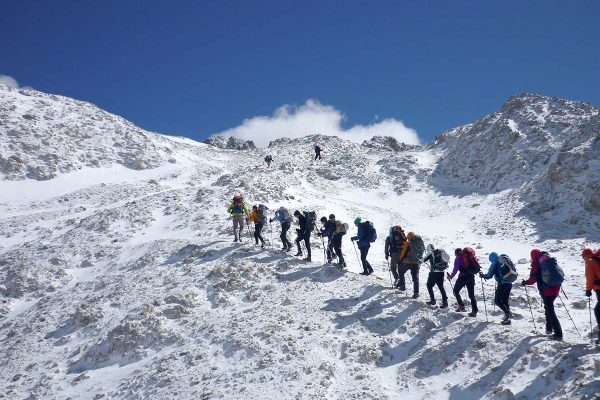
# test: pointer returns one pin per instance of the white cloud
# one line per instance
(312, 118)
(11, 82)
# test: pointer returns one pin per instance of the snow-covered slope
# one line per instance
(545, 149)
(124, 283)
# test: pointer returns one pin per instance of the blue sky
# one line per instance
(194, 68)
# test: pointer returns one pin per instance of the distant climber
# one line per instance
(438, 263)
(504, 282)
(592, 281)
(317, 153)
(237, 209)
(393, 248)
(466, 265)
(269, 160)
(306, 221)
(365, 235)
(259, 217)
(283, 216)
(549, 277)
(410, 258)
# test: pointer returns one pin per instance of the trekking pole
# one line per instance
(563, 292)
(248, 229)
(591, 326)
(356, 252)
(530, 310)
(484, 302)
(569, 314)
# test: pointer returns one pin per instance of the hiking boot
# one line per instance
(598, 342)
(444, 305)
(240, 239)
(365, 273)
(235, 240)
(415, 296)
(371, 270)
(329, 260)
(298, 254)
(307, 259)
(505, 322)
(397, 283)
(342, 265)
(262, 246)
(557, 338)
(507, 317)
(472, 314)
(549, 332)
(431, 302)
(401, 288)
(461, 308)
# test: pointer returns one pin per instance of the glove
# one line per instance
(480, 274)
(523, 282)
(588, 293)
(387, 256)
(247, 220)
(448, 276)
(270, 220)
(319, 234)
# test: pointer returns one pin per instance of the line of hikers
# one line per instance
(269, 158)
(406, 252)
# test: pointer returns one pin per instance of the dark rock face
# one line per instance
(230, 143)
(386, 143)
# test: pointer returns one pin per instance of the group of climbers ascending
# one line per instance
(405, 253)
(269, 158)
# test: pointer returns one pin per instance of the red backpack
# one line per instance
(469, 261)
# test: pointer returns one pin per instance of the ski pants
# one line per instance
(552, 323)
(238, 226)
(336, 243)
(436, 279)
(285, 226)
(414, 274)
(329, 251)
(257, 230)
(467, 280)
(303, 236)
(318, 156)
(597, 311)
(501, 297)
(363, 259)
(395, 264)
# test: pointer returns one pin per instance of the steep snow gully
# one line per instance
(119, 277)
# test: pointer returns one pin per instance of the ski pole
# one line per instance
(569, 314)
(484, 301)
(356, 252)
(591, 326)
(530, 310)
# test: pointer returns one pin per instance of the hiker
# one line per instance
(438, 263)
(466, 265)
(365, 235)
(393, 248)
(237, 209)
(410, 257)
(306, 222)
(269, 160)
(592, 281)
(327, 232)
(340, 229)
(258, 216)
(282, 215)
(317, 153)
(542, 260)
(504, 283)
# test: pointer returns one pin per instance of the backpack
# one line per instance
(508, 271)
(267, 159)
(285, 215)
(341, 227)
(416, 248)
(311, 219)
(238, 205)
(397, 237)
(438, 258)
(372, 232)
(552, 274)
(261, 214)
(469, 261)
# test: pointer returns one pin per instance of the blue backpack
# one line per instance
(372, 231)
(552, 274)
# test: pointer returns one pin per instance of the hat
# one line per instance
(323, 219)
(457, 251)
(357, 221)
(493, 257)
(296, 212)
(535, 254)
(587, 253)
(331, 216)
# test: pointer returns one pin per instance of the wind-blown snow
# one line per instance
(117, 282)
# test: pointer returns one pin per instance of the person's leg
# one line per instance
(307, 243)
(504, 299)
(259, 228)
(460, 283)
(401, 278)
(394, 259)
(414, 273)
(235, 227)
(299, 238)
(551, 318)
(256, 233)
(439, 281)
(284, 230)
(430, 283)
(470, 281)
(369, 268)
(337, 246)
(363, 259)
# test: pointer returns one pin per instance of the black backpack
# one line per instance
(438, 263)
(311, 220)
